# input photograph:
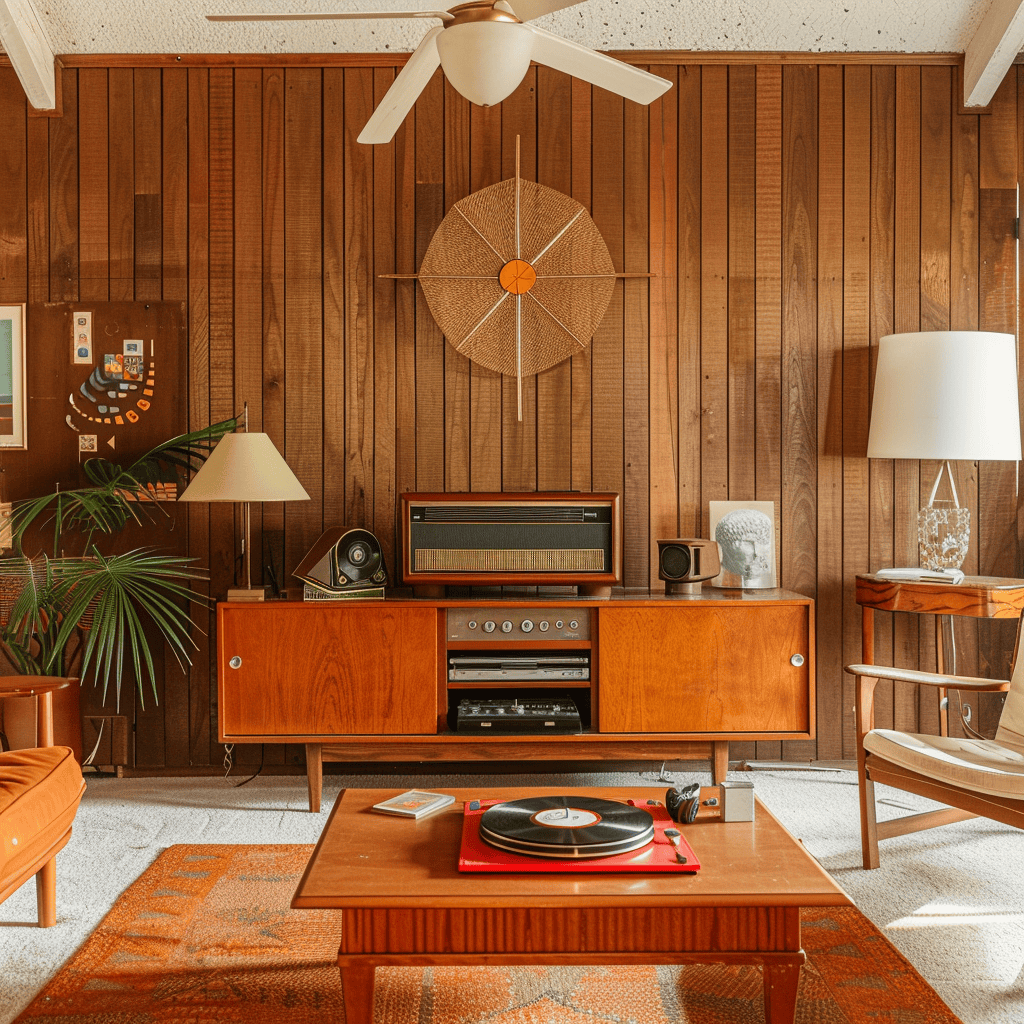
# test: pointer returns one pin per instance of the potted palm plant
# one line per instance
(67, 600)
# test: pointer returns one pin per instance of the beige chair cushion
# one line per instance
(982, 766)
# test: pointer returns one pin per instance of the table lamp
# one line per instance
(245, 467)
(945, 395)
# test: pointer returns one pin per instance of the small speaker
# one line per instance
(684, 564)
(343, 563)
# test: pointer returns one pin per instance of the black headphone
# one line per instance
(683, 802)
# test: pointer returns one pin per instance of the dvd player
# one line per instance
(513, 715)
(520, 668)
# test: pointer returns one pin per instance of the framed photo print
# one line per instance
(12, 377)
(745, 531)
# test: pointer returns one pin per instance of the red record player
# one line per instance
(659, 855)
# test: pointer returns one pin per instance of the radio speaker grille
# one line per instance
(509, 560)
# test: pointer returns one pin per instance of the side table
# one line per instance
(980, 597)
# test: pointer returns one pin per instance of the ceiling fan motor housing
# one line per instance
(485, 60)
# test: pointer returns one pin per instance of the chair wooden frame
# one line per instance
(961, 803)
(44, 864)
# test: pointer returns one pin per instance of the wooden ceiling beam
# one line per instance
(30, 53)
(990, 54)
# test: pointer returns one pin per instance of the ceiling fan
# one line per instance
(485, 48)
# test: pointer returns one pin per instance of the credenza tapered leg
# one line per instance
(720, 762)
(315, 774)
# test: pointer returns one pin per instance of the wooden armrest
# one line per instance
(911, 675)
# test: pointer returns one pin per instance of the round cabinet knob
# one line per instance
(506, 626)
(488, 626)
(544, 626)
(235, 662)
(797, 660)
(527, 626)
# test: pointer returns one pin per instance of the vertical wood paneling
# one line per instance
(64, 199)
(202, 721)
(519, 438)
(856, 379)
(485, 384)
(829, 645)
(303, 313)
(636, 332)
(14, 184)
(582, 362)
(382, 447)
(882, 255)
(554, 386)
(663, 395)
(121, 176)
(457, 402)
(907, 317)
(714, 290)
(798, 492)
(429, 114)
(148, 185)
(93, 213)
(790, 216)
(753, 374)
(688, 289)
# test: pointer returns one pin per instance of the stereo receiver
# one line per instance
(528, 539)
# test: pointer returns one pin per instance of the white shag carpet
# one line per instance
(950, 899)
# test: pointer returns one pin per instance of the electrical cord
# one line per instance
(244, 782)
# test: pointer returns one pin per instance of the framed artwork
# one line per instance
(12, 377)
(745, 531)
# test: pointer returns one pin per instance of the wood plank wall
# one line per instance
(791, 214)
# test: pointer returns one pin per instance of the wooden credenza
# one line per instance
(671, 677)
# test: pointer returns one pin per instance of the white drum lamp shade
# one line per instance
(245, 467)
(945, 395)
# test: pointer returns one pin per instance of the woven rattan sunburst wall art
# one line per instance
(517, 277)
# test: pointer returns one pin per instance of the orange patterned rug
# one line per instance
(206, 935)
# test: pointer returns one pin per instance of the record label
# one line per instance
(566, 826)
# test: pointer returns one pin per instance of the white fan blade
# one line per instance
(404, 91)
(443, 15)
(596, 68)
(527, 10)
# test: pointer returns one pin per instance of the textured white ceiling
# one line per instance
(179, 26)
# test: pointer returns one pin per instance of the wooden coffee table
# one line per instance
(404, 902)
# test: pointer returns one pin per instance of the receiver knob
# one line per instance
(527, 626)
(574, 625)
(488, 626)
(506, 626)
(544, 626)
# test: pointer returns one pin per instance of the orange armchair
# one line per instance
(40, 790)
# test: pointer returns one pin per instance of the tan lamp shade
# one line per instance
(245, 467)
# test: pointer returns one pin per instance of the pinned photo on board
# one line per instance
(745, 531)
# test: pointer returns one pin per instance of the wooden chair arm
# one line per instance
(911, 675)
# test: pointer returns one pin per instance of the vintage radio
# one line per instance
(528, 539)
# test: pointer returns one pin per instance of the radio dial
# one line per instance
(488, 626)
(559, 624)
(527, 626)
(506, 626)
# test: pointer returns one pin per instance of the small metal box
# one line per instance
(737, 801)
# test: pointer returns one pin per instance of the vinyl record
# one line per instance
(566, 826)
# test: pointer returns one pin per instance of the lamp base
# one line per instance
(247, 594)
